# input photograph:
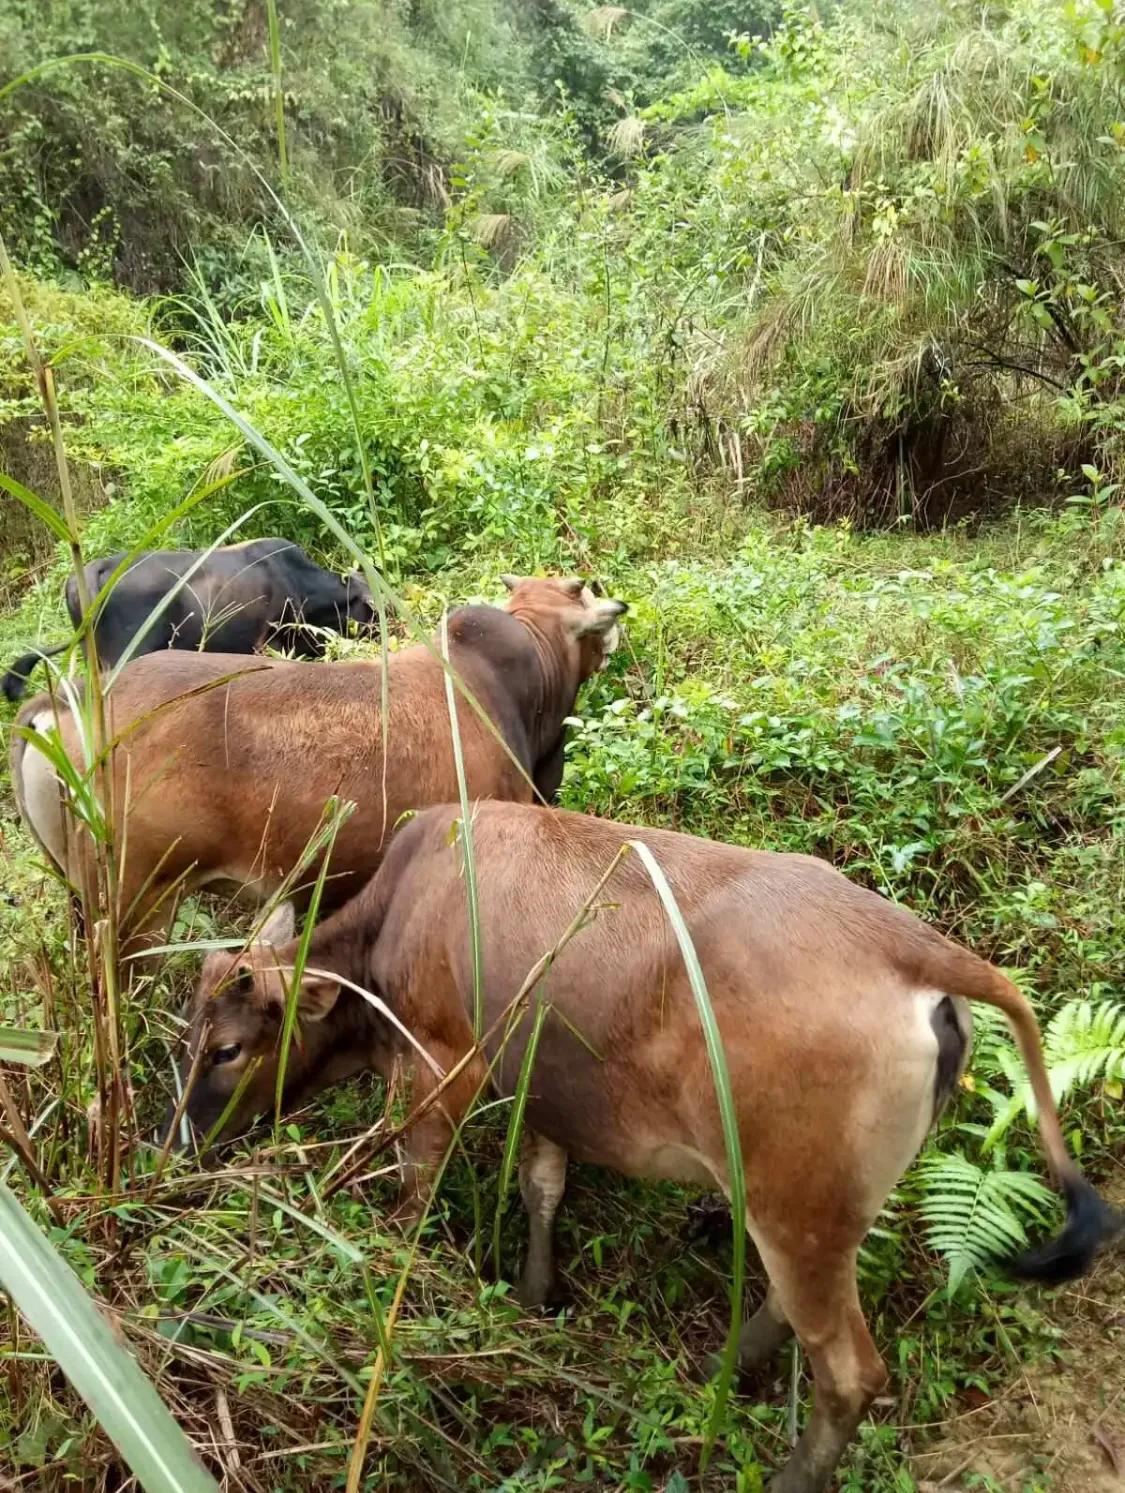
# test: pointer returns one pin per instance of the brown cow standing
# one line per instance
(843, 1017)
(223, 767)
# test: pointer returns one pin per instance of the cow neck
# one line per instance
(551, 693)
(340, 946)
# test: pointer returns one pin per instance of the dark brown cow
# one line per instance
(224, 766)
(844, 1019)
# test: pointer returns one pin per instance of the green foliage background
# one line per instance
(800, 328)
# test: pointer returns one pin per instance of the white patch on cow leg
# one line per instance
(893, 1110)
(41, 795)
(542, 1184)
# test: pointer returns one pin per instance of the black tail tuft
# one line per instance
(14, 682)
(1090, 1222)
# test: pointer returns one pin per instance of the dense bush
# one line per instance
(922, 211)
(115, 176)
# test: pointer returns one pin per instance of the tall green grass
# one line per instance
(89, 786)
(38, 1281)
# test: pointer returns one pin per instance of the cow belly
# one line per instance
(676, 1163)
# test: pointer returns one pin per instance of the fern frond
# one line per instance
(991, 1036)
(974, 1215)
(1084, 1044)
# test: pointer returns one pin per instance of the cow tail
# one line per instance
(1089, 1220)
(14, 682)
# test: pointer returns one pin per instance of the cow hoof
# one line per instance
(749, 1381)
(538, 1295)
(711, 1367)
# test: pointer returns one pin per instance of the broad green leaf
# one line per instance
(49, 1296)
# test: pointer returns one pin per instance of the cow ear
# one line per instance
(511, 581)
(599, 618)
(279, 927)
(317, 998)
(243, 979)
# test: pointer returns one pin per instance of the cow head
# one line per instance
(568, 606)
(360, 602)
(235, 1029)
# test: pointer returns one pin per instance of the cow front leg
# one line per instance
(437, 1120)
(542, 1184)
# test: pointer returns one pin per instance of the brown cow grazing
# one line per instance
(844, 1020)
(224, 766)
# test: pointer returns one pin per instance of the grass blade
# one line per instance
(49, 1296)
(32, 1049)
(35, 504)
(465, 830)
(515, 1126)
(729, 1115)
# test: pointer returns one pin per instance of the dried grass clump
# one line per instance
(602, 21)
(508, 162)
(491, 230)
(627, 137)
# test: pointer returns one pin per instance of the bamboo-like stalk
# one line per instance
(278, 94)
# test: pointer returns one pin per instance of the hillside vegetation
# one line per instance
(801, 329)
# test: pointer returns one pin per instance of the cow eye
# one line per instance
(226, 1054)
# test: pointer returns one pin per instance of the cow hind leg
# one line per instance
(763, 1335)
(766, 1332)
(820, 1298)
(542, 1184)
(809, 1239)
